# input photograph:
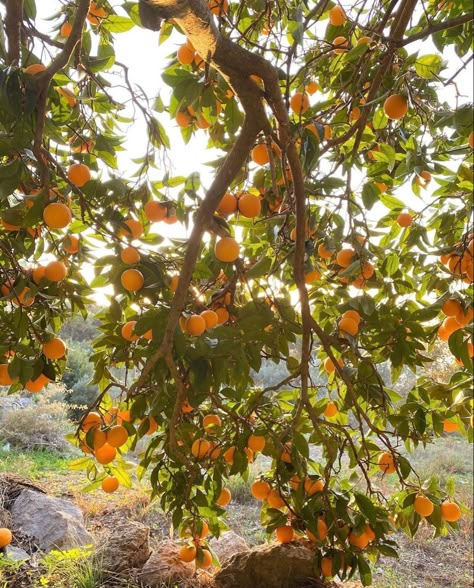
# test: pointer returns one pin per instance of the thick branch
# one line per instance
(13, 19)
(435, 28)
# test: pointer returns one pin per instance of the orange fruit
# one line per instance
(331, 410)
(185, 55)
(65, 29)
(117, 436)
(219, 7)
(260, 154)
(54, 349)
(200, 448)
(323, 252)
(381, 186)
(471, 140)
(285, 534)
(361, 541)
(326, 567)
(345, 257)
(34, 68)
(91, 420)
(183, 119)
(451, 307)
(152, 425)
(173, 285)
(38, 384)
(68, 95)
(128, 331)
(187, 553)
(5, 537)
(110, 484)
(368, 270)
(130, 255)
(395, 106)
(132, 280)
(364, 41)
(341, 44)
(195, 325)
(133, 229)
(155, 211)
(211, 422)
(450, 512)
(210, 318)
(5, 378)
(228, 204)
(224, 497)
(38, 274)
(423, 179)
(352, 314)
(311, 88)
(205, 561)
(55, 271)
(329, 364)
(256, 443)
(312, 487)
(227, 249)
(312, 276)
(105, 454)
(71, 244)
(348, 325)
(355, 113)
(299, 103)
(322, 532)
(260, 490)
(249, 205)
(450, 325)
(337, 16)
(423, 506)
(404, 219)
(386, 463)
(99, 439)
(449, 426)
(275, 499)
(79, 174)
(57, 215)
(222, 315)
(96, 13)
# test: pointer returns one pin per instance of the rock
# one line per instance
(17, 554)
(228, 545)
(165, 567)
(278, 566)
(5, 518)
(52, 523)
(125, 549)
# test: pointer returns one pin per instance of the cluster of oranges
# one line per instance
(245, 203)
(193, 549)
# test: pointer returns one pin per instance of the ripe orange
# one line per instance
(471, 140)
(423, 179)
(299, 103)
(285, 534)
(117, 436)
(211, 422)
(449, 426)
(355, 113)
(210, 318)
(155, 211)
(205, 561)
(65, 29)
(275, 499)
(71, 244)
(132, 280)
(404, 219)
(222, 315)
(99, 439)
(96, 13)
(249, 205)
(311, 88)
(185, 55)
(395, 106)
(224, 497)
(79, 174)
(187, 553)
(364, 41)
(386, 463)
(450, 325)
(37, 385)
(451, 307)
(260, 490)
(312, 276)
(256, 443)
(331, 410)
(322, 531)
(55, 271)
(423, 506)
(57, 215)
(219, 7)
(450, 512)
(5, 378)
(326, 567)
(34, 68)
(195, 325)
(5, 537)
(130, 255)
(133, 229)
(368, 270)
(348, 325)
(68, 95)
(352, 314)
(345, 257)
(152, 425)
(183, 119)
(329, 364)
(110, 484)
(173, 285)
(38, 274)
(227, 249)
(337, 16)
(228, 204)
(323, 252)
(312, 487)
(128, 331)
(361, 541)
(91, 420)
(200, 448)
(341, 44)
(105, 454)
(260, 154)
(54, 349)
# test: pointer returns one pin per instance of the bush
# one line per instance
(76, 378)
(40, 423)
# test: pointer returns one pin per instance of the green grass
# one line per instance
(36, 464)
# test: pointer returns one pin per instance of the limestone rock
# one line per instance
(165, 567)
(16, 553)
(125, 549)
(228, 545)
(5, 518)
(52, 523)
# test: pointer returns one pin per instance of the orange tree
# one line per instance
(320, 115)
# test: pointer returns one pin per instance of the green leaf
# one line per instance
(118, 24)
(391, 202)
(364, 571)
(428, 66)
(366, 506)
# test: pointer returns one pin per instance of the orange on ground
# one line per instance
(299, 103)
(449, 426)
(404, 219)
(260, 154)
(211, 422)
(228, 204)
(423, 506)
(110, 484)
(187, 553)
(155, 211)
(224, 497)
(55, 271)
(260, 489)
(348, 325)
(329, 364)
(249, 205)
(386, 463)
(91, 420)
(337, 16)
(345, 257)
(185, 55)
(256, 443)
(206, 557)
(54, 349)
(117, 436)
(195, 325)
(227, 249)
(5, 537)
(132, 280)
(5, 379)
(451, 307)
(79, 174)
(450, 512)
(210, 318)
(128, 331)
(285, 534)
(105, 454)
(312, 487)
(395, 106)
(331, 410)
(130, 255)
(200, 448)
(57, 215)
(71, 244)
